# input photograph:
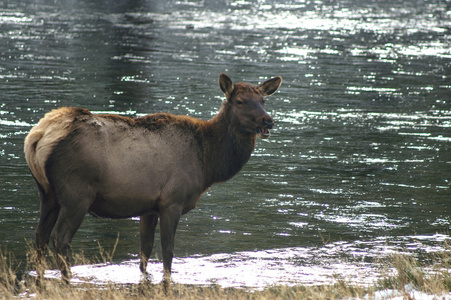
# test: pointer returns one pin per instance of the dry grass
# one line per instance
(431, 276)
(57, 290)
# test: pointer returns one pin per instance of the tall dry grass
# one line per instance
(430, 275)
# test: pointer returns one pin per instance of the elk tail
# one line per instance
(43, 138)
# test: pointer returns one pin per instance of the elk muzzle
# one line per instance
(263, 130)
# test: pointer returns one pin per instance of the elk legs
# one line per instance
(47, 220)
(147, 228)
(169, 219)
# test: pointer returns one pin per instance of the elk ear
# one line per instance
(270, 86)
(226, 85)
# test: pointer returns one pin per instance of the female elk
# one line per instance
(156, 166)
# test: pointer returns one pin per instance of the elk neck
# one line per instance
(225, 152)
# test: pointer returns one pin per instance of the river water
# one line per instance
(358, 165)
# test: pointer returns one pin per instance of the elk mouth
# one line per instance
(263, 132)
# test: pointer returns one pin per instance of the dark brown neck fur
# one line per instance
(225, 152)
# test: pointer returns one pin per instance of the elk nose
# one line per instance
(269, 123)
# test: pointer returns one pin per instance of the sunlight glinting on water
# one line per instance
(290, 266)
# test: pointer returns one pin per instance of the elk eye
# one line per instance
(239, 102)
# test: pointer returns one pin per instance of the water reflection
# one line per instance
(361, 146)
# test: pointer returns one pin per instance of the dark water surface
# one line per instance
(358, 166)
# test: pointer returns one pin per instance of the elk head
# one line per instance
(248, 115)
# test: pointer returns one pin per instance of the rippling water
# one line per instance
(359, 163)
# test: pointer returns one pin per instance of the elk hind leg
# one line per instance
(48, 215)
(70, 217)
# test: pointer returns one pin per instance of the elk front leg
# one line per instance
(169, 219)
(147, 229)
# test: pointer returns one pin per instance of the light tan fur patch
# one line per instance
(42, 138)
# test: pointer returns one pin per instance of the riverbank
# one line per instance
(404, 277)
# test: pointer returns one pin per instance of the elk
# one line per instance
(155, 167)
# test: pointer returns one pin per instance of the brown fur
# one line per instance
(155, 167)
